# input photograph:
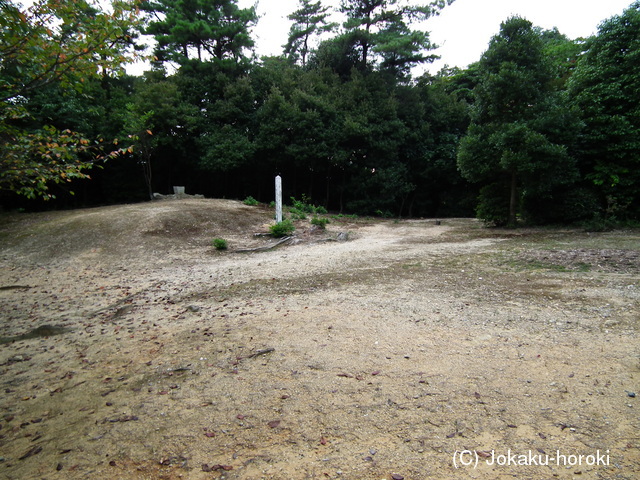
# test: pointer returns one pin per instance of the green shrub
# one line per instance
(220, 243)
(251, 201)
(297, 214)
(493, 205)
(300, 208)
(301, 205)
(384, 214)
(320, 222)
(282, 229)
(562, 206)
(599, 223)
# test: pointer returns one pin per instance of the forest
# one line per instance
(542, 129)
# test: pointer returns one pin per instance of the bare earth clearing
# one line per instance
(374, 358)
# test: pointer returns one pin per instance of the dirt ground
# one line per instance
(131, 349)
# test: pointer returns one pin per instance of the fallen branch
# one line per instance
(15, 287)
(261, 352)
(33, 451)
(267, 247)
(114, 305)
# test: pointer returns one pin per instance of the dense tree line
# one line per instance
(542, 129)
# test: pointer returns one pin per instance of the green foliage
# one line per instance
(562, 206)
(251, 201)
(300, 208)
(309, 20)
(384, 214)
(62, 44)
(160, 126)
(199, 29)
(282, 229)
(220, 244)
(604, 89)
(297, 214)
(320, 222)
(562, 53)
(339, 55)
(141, 141)
(599, 223)
(226, 141)
(493, 205)
(380, 30)
(65, 42)
(522, 127)
(31, 161)
(340, 122)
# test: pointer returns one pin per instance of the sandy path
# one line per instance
(376, 357)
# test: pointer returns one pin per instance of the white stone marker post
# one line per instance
(278, 199)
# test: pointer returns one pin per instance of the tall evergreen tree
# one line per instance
(516, 141)
(309, 20)
(381, 31)
(216, 29)
(606, 89)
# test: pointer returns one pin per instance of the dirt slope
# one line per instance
(375, 358)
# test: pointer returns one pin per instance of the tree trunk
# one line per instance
(413, 199)
(366, 42)
(343, 186)
(146, 168)
(305, 49)
(404, 200)
(328, 188)
(513, 200)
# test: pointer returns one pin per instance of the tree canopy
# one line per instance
(311, 19)
(61, 43)
(605, 89)
(541, 129)
(516, 141)
(219, 29)
(380, 31)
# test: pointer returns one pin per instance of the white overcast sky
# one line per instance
(463, 29)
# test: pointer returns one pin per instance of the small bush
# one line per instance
(297, 214)
(282, 229)
(493, 205)
(599, 224)
(220, 243)
(302, 207)
(384, 214)
(251, 201)
(320, 222)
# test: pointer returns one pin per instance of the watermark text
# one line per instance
(471, 458)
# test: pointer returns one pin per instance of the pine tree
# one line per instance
(381, 31)
(311, 19)
(214, 29)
